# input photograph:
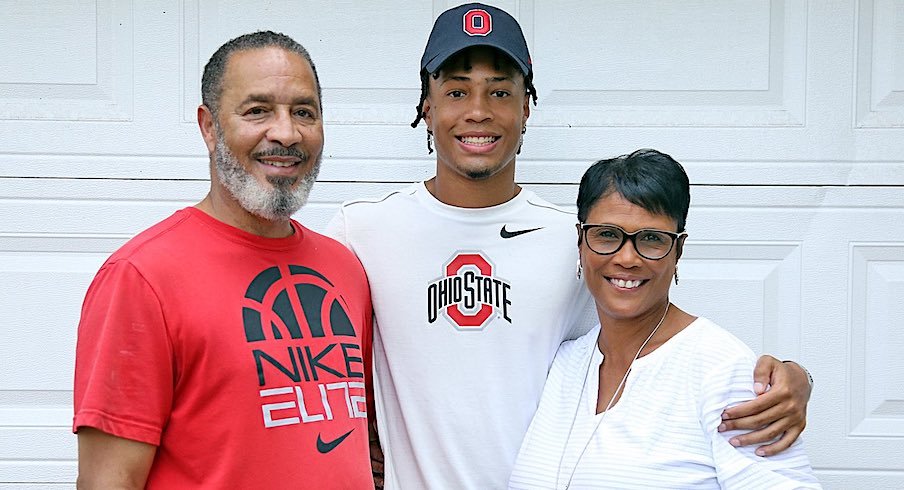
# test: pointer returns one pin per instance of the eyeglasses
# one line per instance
(649, 243)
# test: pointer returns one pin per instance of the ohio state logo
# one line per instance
(468, 294)
(477, 22)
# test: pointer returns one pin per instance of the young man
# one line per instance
(473, 277)
(224, 347)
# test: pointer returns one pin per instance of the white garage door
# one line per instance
(789, 116)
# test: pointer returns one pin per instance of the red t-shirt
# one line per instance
(242, 358)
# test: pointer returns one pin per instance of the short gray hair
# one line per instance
(212, 80)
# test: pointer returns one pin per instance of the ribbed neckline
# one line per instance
(489, 213)
(243, 237)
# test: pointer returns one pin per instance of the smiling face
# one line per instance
(267, 139)
(476, 108)
(625, 285)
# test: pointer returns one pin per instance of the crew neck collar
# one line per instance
(429, 200)
(241, 236)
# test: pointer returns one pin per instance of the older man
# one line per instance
(225, 346)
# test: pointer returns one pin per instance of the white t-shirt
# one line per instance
(662, 433)
(470, 306)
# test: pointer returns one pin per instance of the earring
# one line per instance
(429, 142)
(580, 271)
(521, 140)
(676, 275)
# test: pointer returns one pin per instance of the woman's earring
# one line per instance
(580, 270)
(429, 141)
(676, 275)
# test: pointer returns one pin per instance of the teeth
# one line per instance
(274, 163)
(625, 284)
(478, 140)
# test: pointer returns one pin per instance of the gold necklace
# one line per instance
(621, 384)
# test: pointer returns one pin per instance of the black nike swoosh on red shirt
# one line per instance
(325, 447)
(511, 234)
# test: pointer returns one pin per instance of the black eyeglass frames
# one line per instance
(649, 243)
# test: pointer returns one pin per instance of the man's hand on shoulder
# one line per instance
(777, 415)
(106, 461)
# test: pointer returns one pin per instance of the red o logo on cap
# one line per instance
(477, 22)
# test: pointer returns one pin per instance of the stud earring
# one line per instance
(676, 275)
(580, 271)
(429, 142)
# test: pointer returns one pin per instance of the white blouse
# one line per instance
(662, 433)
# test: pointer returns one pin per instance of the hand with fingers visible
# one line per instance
(778, 414)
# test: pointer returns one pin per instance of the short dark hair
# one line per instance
(647, 178)
(212, 80)
(498, 58)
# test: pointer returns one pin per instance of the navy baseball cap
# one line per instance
(475, 24)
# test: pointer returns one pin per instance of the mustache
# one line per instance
(280, 151)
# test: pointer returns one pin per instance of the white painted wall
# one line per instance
(789, 116)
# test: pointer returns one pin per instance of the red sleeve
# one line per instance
(123, 358)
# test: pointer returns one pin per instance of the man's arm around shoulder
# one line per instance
(106, 461)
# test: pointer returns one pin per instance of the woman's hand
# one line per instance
(780, 412)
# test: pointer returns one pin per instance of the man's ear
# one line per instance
(207, 124)
(425, 111)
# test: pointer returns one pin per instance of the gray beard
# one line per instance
(275, 202)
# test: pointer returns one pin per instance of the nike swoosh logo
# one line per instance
(325, 447)
(511, 234)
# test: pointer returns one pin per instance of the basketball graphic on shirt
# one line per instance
(294, 302)
(292, 316)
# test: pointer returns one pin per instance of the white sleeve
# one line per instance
(730, 383)
(585, 316)
(336, 229)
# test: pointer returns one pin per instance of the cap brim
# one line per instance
(441, 58)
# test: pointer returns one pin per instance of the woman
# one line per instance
(636, 402)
